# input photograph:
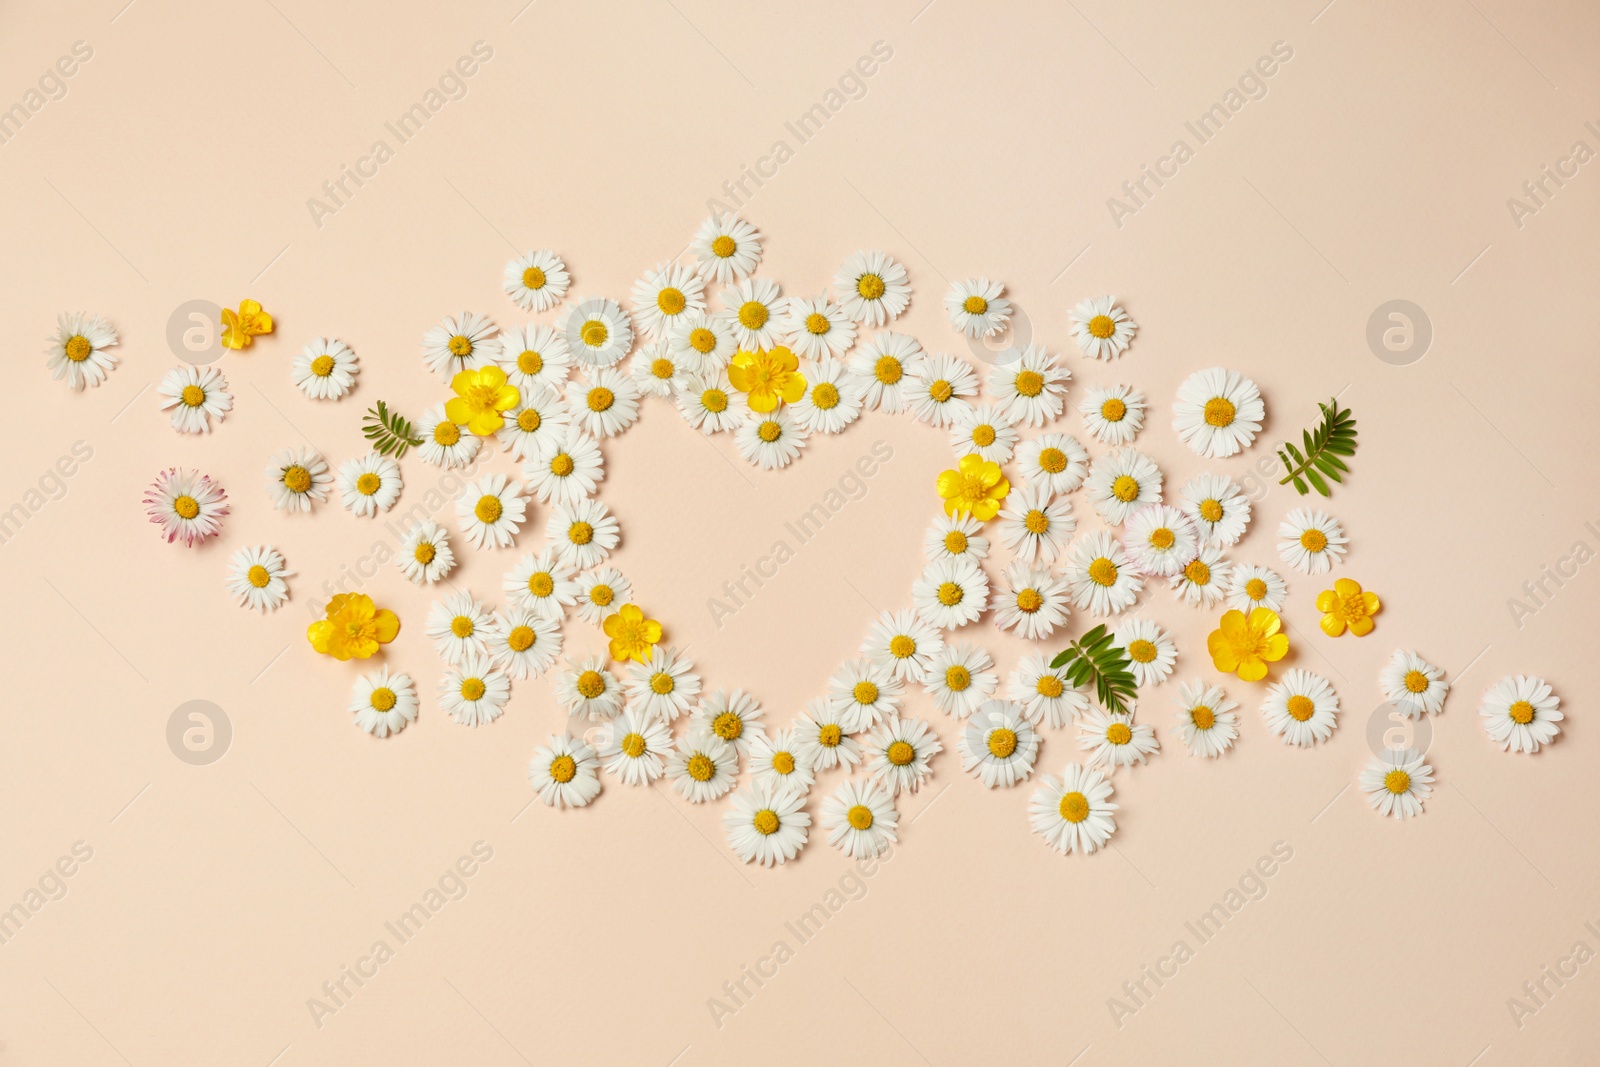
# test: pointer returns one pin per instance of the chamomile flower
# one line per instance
(597, 331)
(186, 504)
(776, 765)
(369, 485)
(1121, 482)
(818, 328)
(491, 511)
(1311, 541)
(461, 342)
(566, 468)
(325, 369)
(425, 555)
(445, 443)
(473, 692)
(941, 390)
(1204, 580)
(1100, 576)
(296, 477)
(1302, 709)
(955, 537)
(1206, 718)
(999, 744)
(1073, 814)
(1101, 328)
(654, 370)
(976, 308)
(586, 688)
(703, 767)
(196, 395)
(456, 625)
(1151, 653)
(1055, 461)
(1031, 385)
(78, 350)
(1030, 600)
(766, 827)
(1114, 415)
(636, 748)
(985, 429)
(584, 533)
(1047, 696)
(756, 313)
(903, 642)
(604, 405)
(770, 441)
(725, 248)
(536, 280)
(664, 686)
(522, 643)
(538, 416)
(1252, 587)
(710, 404)
(1036, 527)
(732, 717)
(871, 288)
(1160, 539)
(1218, 507)
(899, 753)
(951, 593)
(534, 357)
(563, 772)
(832, 399)
(1520, 713)
(960, 679)
(703, 343)
(884, 366)
(821, 741)
(384, 702)
(862, 693)
(256, 578)
(601, 592)
(860, 819)
(541, 582)
(1217, 412)
(1413, 684)
(665, 296)
(1397, 783)
(1114, 740)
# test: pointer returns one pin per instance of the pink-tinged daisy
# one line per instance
(186, 504)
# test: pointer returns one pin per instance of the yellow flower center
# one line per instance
(1049, 685)
(714, 401)
(580, 533)
(296, 479)
(446, 433)
(950, 594)
(368, 483)
(528, 420)
(1416, 682)
(541, 584)
(1119, 733)
(1029, 601)
(662, 683)
(900, 753)
(382, 699)
(1052, 460)
(461, 626)
(728, 726)
(888, 370)
(1103, 572)
(1197, 573)
(752, 314)
(860, 817)
(901, 646)
(865, 693)
(975, 305)
(460, 346)
(1030, 383)
(1397, 781)
(591, 685)
(1211, 509)
(423, 553)
(769, 431)
(193, 395)
(1002, 743)
(488, 509)
(870, 286)
(941, 390)
(533, 278)
(473, 689)
(521, 638)
(322, 366)
(78, 348)
(1202, 716)
(1125, 488)
(1219, 412)
(955, 542)
(702, 340)
(957, 678)
(1522, 713)
(700, 767)
(1036, 522)
(1113, 410)
(825, 396)
(186, 507)
(1074, 807)
(1313, 540)
(983, 435)
(601, 595)
(561, 465)
(723, 246)
(258, 576)
(766, 822)
(530, 362)
(817, 323)
(594, 333)
(601, 398)
(783, 762)
(830, 735)
(671, 301)
(662, 368)
(1162, 538)
(563, 769)
(633, 746)
(1142, 651)
(1102, 326)
(1300, 708)
(1255, 589)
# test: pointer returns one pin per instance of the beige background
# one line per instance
(218, 899)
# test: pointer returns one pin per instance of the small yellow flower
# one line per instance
(240, 327)
(481, 395)
(632, 635)
(767, 377)
(1245, 646)
(976, 487)
(1345, 606)
(354, 628)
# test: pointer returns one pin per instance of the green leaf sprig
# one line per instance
(390, 433)
(1096, 656)
(1334, 437)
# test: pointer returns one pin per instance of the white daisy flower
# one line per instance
(1114, 415)
(636, 748)
(1030, 600)
(605, 405)
(1397, 783)
(445, 443)
(665, 686)
(1311, 541)
(903, 642)
(384, 702)
(1204, 580)
(538, 416)
(456, 625)
(733, 717)
(601, 593)
(425, 555)
(770, 441)
(710, 404)
(597, 331)
(473, 692)
(884, 365)
(665, 296)
(764, 827)
(950, 592)
(186, 504)
(536, 280)
(1253, 587)
(756, 313)
(1206, 719)
(1031, 385)
(1035, 527)
(583, 532)
(955, 537)
(1045, 693)
(563, 772)
(1302, 709)
(777, 767)
(1218, 507)
(1218, 412)
(654, 370)
(534, 357)
(725, 248)
(256, 578)
(961, 678)
(1520, 713)
(196, 395)
(1120, 482)
(832, 399)
(567, 467)
(522, 643)
(460, 342)
(541, 582)
(872, 288)
(703, 343)
(78, 350)
(1100, 576)
(296, 477)
(1413, 684)
(860, 819)
(491, 510)
(1151, 653)
(1160, 539)
(369, 485)
(325, 369)
(899, 753)
(863, 693)
(1114, 740)
(1073, 814)
(986, 430)
(976, 307)
(587, 688)
(818, 328)
(821, 741)
(999, 745)
(941, 390)
(703, 767)
(1101, 328)
(1055, 461)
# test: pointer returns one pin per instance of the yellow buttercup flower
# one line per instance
(632, 635)
(481, 395)
(1244, 646)
(1345, 606)
(975, 487)
(240, 327)
(354, 628)
(767, 377)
